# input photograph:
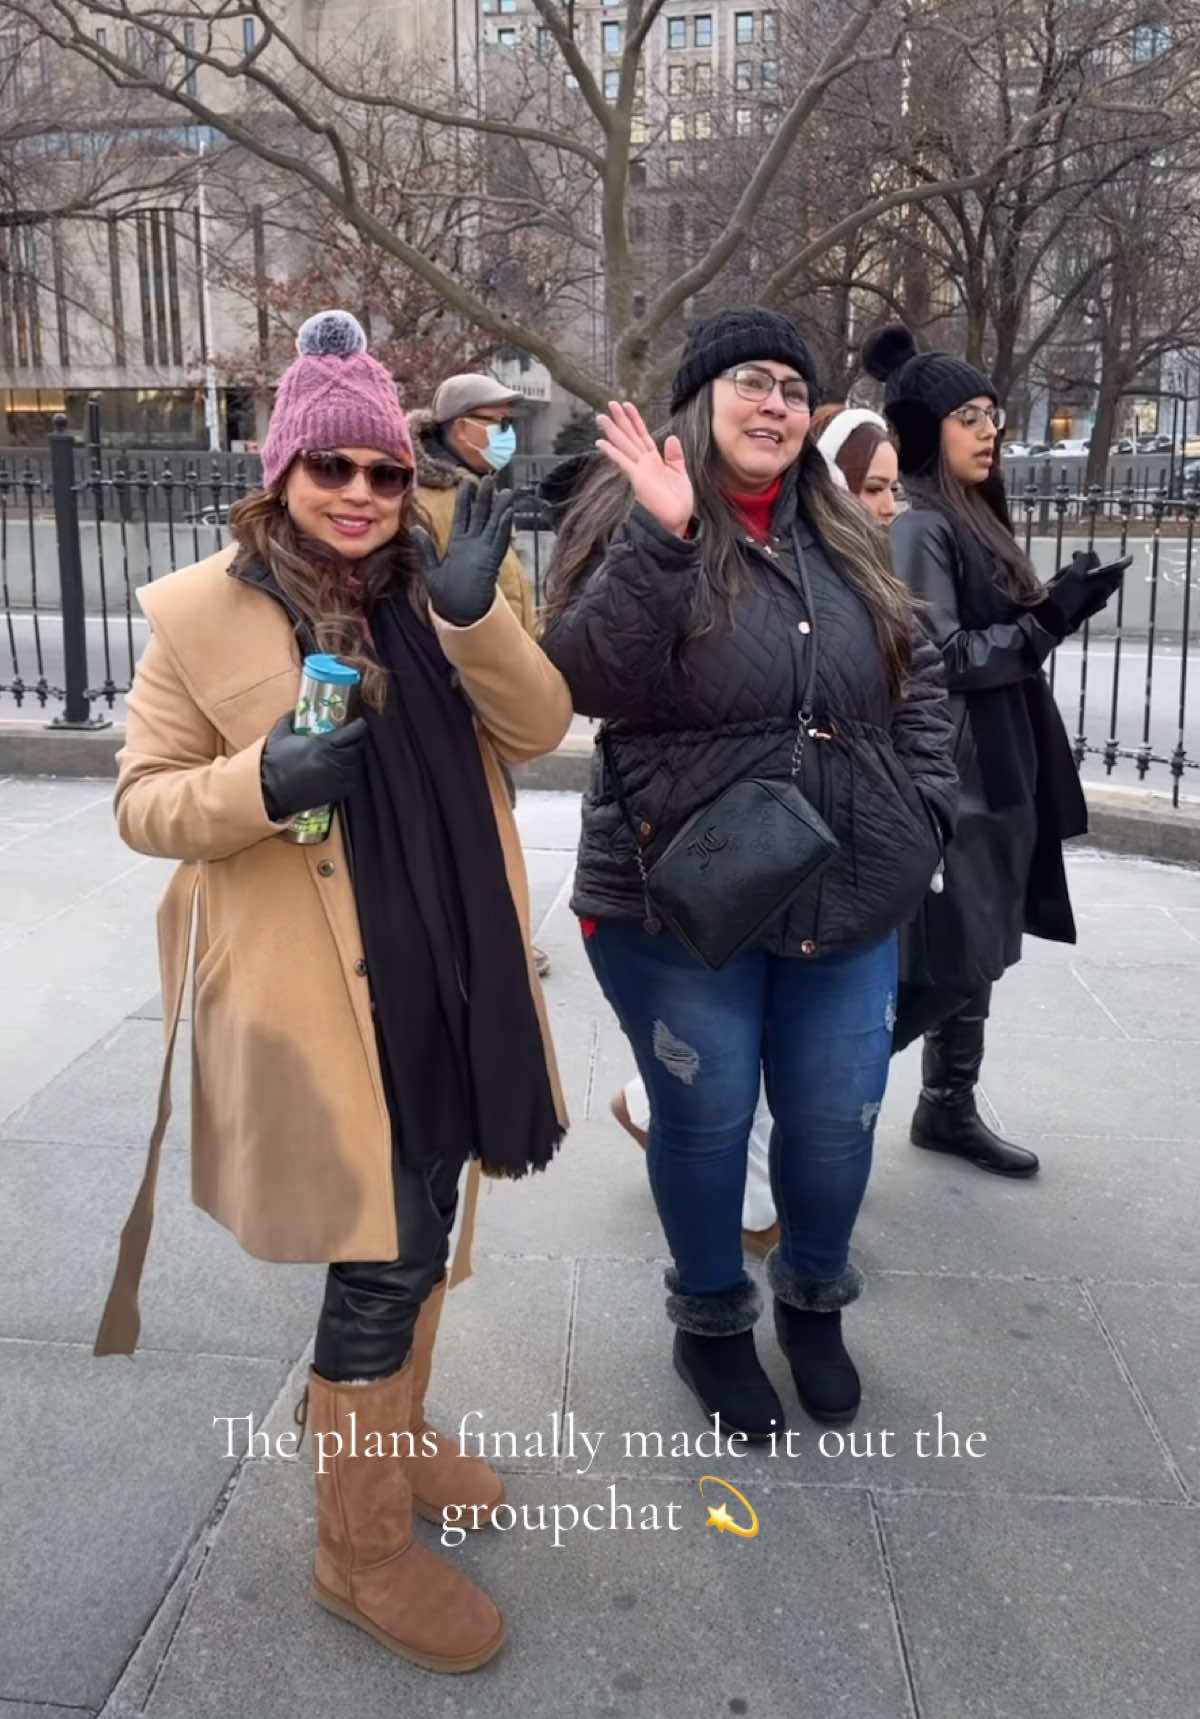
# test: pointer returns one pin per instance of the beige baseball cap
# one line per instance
(459, 395)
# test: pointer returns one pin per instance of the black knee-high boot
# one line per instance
(946, 1117)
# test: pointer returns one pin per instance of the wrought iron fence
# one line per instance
(81, 529)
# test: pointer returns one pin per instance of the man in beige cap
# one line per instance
(466, 434)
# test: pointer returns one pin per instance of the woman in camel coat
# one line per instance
(366, 1019)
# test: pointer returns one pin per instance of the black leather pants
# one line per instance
(366, 1326)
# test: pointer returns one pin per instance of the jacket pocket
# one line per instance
(914, 801)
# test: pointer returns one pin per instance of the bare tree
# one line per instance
(302, 112)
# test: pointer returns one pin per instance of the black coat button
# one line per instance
(360, 967)
(326, 868)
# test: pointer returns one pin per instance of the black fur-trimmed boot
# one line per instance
(946, 1118)
(716, 1358)
(808, 1324)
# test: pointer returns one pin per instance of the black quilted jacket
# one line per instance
(685, 723)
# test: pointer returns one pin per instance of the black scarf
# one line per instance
(464, 1064)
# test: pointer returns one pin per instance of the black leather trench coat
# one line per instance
(1019, 793)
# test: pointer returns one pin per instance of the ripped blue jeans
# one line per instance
(821, 1033)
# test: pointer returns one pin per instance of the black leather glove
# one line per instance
(462, 583)
(301, 771)
(1076, 594)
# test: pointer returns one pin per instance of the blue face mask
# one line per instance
(501, 446)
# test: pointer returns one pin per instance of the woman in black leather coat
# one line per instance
(995, 624)
(694, 578)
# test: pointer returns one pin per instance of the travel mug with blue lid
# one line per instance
(326, 685)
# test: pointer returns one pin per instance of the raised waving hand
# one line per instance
(660, 481)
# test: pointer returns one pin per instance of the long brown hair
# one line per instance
(335, 597)
(858, 547)
(982, 510)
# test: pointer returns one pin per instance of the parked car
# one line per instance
(1074, 449)
(1037, 449)
(1154, 444)
(1126, 445)
(1014, 450)
(1189, 475)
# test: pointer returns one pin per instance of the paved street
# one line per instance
(126, 640)
(1052, 1573)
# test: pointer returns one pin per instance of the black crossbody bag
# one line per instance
(741, 860)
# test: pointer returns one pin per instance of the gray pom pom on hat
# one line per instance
(331, 334)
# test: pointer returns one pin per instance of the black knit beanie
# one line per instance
(736, 337)
(920, 389)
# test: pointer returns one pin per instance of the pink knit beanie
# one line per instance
(333, 396)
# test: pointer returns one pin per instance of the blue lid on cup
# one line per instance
(332, 670)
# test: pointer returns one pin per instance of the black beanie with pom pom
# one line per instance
(919, 390)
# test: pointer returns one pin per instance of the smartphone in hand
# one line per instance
(1110, 568)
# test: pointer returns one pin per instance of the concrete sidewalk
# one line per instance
(1052, 1574)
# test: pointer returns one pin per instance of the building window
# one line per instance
(743, 27)
(637, 225)
(768, 26)
(570, 81)
(189, 41)
(703, 127)
(506, 38)
(612, 85)
(770, 74)
(102, 37)
(637, 173)
(677, 128)
(704, 79)
(744, 121)
(703, 30)
(248, 32)
(676, 80)
(637, 128)
(770, 118)
(508, 5)
(743, 76)
(1150, 41)
(611, 34)
(545, 41)
(674, 167)
(677, 33)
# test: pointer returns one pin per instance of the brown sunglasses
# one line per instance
(331, 470)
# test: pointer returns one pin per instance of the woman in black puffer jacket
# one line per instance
(677, 612)
(995, 624)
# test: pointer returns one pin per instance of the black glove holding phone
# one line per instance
(1078, 591)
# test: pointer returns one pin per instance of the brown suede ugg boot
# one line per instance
(369, 1568)
(447, 1477)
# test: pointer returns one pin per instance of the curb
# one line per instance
(1122, 820)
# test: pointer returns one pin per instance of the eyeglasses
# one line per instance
(754, 383)
(975, 417)
(330, 470)
(504, 423)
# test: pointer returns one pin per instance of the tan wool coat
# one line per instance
(291, 1139)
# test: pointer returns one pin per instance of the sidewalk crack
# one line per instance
(889, 1578)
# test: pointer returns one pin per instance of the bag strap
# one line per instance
(121, 1322)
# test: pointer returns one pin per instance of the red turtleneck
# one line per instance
(755, 510)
